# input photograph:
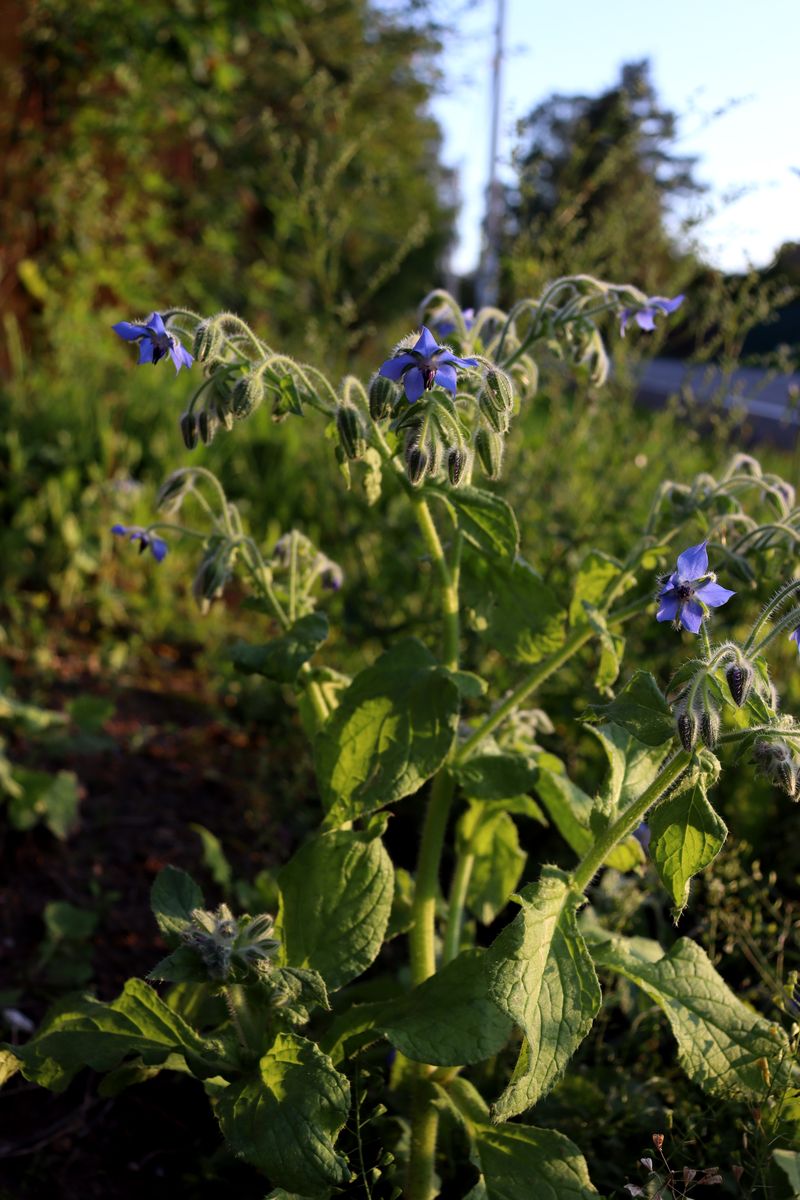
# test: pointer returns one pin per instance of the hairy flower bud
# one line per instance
(382, 394)
(489, 449)
(456, 462)
(207, 339)
(709, 727)
(188, 424)
(247, 395)
(351, 434)
(499, 390)
(498, 419)
(416, 464)
(172, 491)
(686, 723)
(212, 575)
(740, 681)
(207, 426)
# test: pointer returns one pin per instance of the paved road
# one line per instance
(772, 401)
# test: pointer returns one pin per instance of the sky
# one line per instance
(706, 55)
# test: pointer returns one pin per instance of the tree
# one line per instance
(596, 180)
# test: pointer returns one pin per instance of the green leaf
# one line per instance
(287, 1120)
(298, 991)
(450, 1019)
(686, 834)
(400, 920)
(789, 1163)
(100, 1036)
(172, 897)
(723, 1045)
(519, 614)
(641, 709)
(51, 799)
(183, 965)
(491, 837)
(520, 1162)
(487, 521)
(632, 767)
(391, 732)
(469, 685)
(541, 975)
(9, 1065)
(571, 810)
(282, 658)
(214, 857)
(336, 897)
(66, 921)
(495, 776)
(90, 713)
(612, 648)
(595, 574)
(355, 1028)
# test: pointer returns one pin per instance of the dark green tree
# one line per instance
(597, 177)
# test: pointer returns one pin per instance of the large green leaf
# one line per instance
(336, 897)
(686, 834)
(641, 710)
(87, 1033)
(490, 836)
(391, 732)
(495, 776)
(450, 1019)
(521, 1162)
(486, 520)
(283, 657)
(632, 767)
(286, 1121)
(723, 1045)
(541, 975)
(173, 896)
(519, 615)
(571, 809)
(595, 574)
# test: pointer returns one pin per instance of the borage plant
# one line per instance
(297, 1058)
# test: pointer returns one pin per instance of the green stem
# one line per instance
(629, 820)
(424, 1132)
(788, 588)
(448, 583)
(423, 913)
(458, 899)
(789, 621)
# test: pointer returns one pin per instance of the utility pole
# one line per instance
(489, 267)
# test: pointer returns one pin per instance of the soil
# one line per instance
(170, 756)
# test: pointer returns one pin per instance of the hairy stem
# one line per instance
(458, 899)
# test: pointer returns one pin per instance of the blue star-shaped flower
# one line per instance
(135, 533)
(645, 317)
(794, 636)
(155, 341)
(691, 590)
(426, 364)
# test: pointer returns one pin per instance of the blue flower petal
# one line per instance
(426, 343)
(446, 378)
(692, 616)
(145, 351)
(668, 609)
(645, 319)
(665, 305)
(120, 530)
(693, 562)
(158, 548)
(447, 357)
(794, 636)
(156, 322)
(414, 383)
(179, 355)
(128, 331)
(713, 595)
(395, 368)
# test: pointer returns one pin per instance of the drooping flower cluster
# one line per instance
(691, 590)
(135, 533)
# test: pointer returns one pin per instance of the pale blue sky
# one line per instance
(704, 54)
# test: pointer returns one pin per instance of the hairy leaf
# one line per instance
(641, 710)
(172, 897)
(686, 834)
(486, 520)
(520, 1162)
(495, 776)
(523, 618)
(491, 837)
(283, 657)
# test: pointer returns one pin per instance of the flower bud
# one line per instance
(434, 449)
(247, 395)
(207, 339)
(489, 449)
(740, 681)
(188, 424)
(499, 390)
(351, 435)
(382, 394)
(456, 461)
(207, 426)
(497, 419)
(686, 723)
(170, 495)
(220, 406)
(416, 464)
(709, 727)
(212, 575)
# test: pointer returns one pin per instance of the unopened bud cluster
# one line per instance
(224, 941)
(776, 762)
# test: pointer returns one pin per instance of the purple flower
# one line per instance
(424, 365)
(154, 341)
(691, 590)
(445, 325)
(135, 533)
(795, 637)
(645, 317)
